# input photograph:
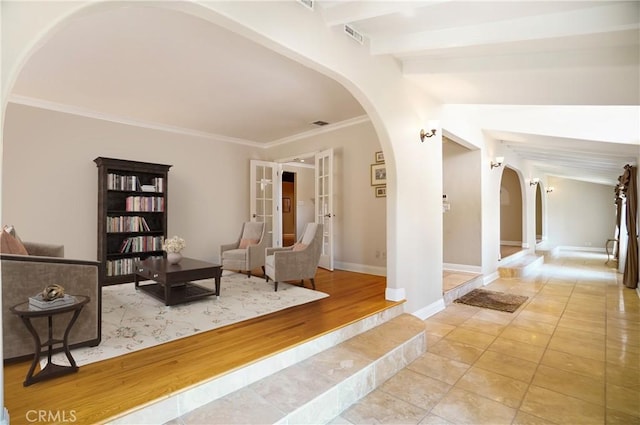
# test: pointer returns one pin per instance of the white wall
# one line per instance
(580, 214)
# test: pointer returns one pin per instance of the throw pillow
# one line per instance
(12, 231)
(298, 246)
(244, 243)
(11, 245)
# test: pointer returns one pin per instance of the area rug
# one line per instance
(133, 320)
(493, 300)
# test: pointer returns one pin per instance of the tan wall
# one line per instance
(50, 183)
(462, 232)
(360, 217)
(510, 208)
(581, 214)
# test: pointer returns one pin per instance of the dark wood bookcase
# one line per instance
(132, 215)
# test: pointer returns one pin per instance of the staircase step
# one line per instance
(547, 251)
(521, 266)
(329, 372)
(320, 388)
(474, 282)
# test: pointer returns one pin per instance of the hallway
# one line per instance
(569, 355)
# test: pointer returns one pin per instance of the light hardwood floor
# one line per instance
(106, 389)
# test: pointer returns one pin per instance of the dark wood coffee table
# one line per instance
(174, 281)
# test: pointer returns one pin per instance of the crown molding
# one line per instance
(316, 131)
(88, 113)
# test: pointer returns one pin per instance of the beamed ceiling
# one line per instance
(163, 68)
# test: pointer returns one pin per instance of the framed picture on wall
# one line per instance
(381, 191)
(379, 157)
(378, 174)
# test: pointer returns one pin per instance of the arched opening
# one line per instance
(539, 215)
(511, 210)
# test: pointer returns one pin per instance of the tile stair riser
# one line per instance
(336, 400)
(461, 290)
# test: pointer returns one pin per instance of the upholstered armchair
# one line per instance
(26, 275)
(296, 262)
(247, 252)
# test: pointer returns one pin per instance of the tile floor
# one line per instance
(569, 355)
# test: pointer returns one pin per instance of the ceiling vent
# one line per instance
(307, 3)
(353, 33)
(319, 123)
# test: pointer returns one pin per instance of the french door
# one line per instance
(324, 204)
(265, 186)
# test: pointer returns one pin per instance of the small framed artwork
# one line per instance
(379, 157)
(378, 174)
(381, 191)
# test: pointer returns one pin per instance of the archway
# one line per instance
(539, 215)
(395, 106)
(511, 213)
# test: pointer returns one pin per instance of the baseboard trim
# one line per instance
(395, 294)
(490, 278)
(582, 248)
(361, 268)
(462, 268)
(511, 243)
(430, 310)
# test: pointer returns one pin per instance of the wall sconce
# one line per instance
(424, 134)
(550, 189)
(498, 163)
(534, 181)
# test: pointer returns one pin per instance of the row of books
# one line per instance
(132, 183)
(123, 266)
(141, 244)
(127, 224)
(144, 203)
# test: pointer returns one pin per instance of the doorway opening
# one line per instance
(289, 234)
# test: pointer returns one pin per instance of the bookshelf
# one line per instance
(132, 215)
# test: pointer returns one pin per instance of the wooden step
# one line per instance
(521, 266)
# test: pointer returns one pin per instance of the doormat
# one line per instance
(493, 300)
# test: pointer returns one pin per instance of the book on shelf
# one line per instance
(37, 301)
(127, 224)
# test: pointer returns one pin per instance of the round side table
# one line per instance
(51, 370)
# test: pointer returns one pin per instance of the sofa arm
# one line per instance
(43, 249)
(24, 276)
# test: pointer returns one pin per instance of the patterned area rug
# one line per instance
(133, 320)
(493, 300)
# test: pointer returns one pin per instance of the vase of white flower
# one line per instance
(174, 247)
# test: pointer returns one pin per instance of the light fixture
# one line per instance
(534, 181)
(498, 163)
(550, 189)
(424, 134)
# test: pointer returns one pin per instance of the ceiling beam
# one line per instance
(602, 19)
(351, 12)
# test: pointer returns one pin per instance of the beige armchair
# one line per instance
(246, 253)
(26, 275)
(297, 262)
